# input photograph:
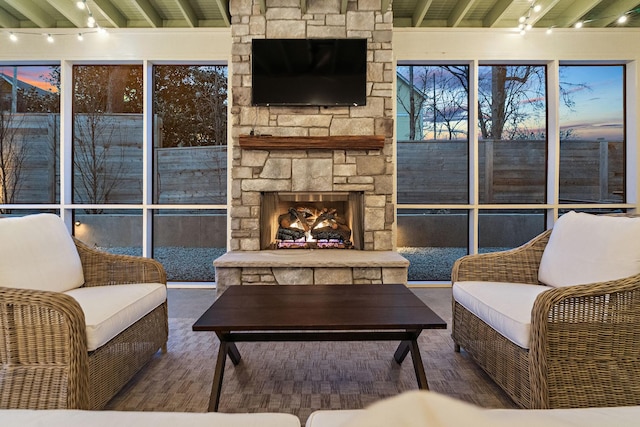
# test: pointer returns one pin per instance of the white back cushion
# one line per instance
(585, 248)
(37, 252)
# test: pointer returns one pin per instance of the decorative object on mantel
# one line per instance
(336, 142)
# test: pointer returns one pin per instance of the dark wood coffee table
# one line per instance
(317, 313)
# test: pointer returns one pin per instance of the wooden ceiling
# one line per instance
(22, 14)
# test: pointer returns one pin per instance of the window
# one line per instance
(447, 208)
(592, 134)
(107, 135)
(29, 135)
(512, 134)
(159, 193)
(190, 169)
(433, 166)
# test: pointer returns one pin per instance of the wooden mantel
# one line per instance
(339, 142)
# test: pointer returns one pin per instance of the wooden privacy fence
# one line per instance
(431, 172)
(108, 166)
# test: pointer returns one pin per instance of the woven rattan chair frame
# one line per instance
(585, 340)
(44, 362)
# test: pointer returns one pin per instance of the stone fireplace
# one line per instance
(328, 151)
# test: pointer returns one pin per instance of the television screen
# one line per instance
(320, 72)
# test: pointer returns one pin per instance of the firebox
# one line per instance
(312, 220)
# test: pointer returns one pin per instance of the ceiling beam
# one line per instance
(223, 7)
(497, 12)
(420, 12)
(33, 12)
(70, 11)
(576, 11)
(546, 7)
(188, 13)
(611, 13)
(149, 12)
(459, 12)
(110, 12)
(8, 21)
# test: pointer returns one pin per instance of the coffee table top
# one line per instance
(318, 307)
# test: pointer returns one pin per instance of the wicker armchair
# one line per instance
(584, 340)
(44, 358)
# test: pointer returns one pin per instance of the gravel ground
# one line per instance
(196, 264)
(181, 264)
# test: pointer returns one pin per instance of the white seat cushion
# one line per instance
(37, 252)
(79, 418)
(109, 310)
(585, 248)
(506, 307)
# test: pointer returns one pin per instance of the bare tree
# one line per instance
(451, 107)
(13, 153)
(99, 172)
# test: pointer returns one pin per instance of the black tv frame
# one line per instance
(309, 72)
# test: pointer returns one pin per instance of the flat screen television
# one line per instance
(312, 72)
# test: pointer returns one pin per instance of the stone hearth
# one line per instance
(309, 267)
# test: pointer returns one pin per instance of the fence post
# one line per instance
(488, 170)
(604, 171)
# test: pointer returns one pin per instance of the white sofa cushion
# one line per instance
(428, 409)
(585, 248)
(37, 252)
(506, 307)
(109, 310)
(78, 418)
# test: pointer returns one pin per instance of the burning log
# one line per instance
(333, 226)
(297, 228)
(295, 216)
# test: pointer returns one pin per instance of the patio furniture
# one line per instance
(75, 323)
(556, 322)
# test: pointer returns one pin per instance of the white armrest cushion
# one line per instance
(585, 248)
(37, 252)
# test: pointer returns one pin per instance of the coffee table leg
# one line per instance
(234, 353)
(418, 366)
(401, 353)
(216, 387)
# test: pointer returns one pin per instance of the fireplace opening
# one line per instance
(312, 220)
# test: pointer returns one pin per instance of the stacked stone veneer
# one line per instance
(308, 170)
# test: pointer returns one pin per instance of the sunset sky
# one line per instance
(598, 98)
